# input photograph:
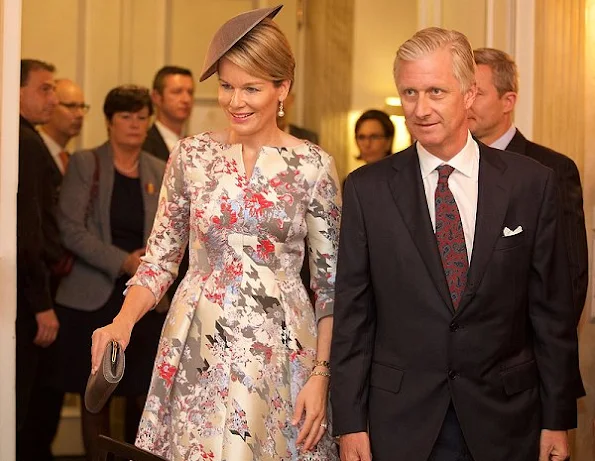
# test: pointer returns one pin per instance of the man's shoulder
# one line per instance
(542, 154)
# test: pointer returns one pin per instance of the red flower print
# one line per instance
(265, 248)
(166, 372)
(228, 217)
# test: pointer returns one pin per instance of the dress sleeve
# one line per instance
(169, 236)
(323, 218)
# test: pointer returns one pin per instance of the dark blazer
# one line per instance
(35, 207)
(400, 353)
(573, 216)
(154, 144)
(36, 223)
(98, 262)
(303, 133)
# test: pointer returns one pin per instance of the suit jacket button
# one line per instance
(452, 374)
(453, 327)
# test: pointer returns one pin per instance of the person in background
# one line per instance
(374, 135)
(491, 121)
(38, 248)
(64, 124)
(242, 369)
(107, 205)
(173, 99)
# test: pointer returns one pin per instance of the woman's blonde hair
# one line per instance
(427, 41)
(264, 52)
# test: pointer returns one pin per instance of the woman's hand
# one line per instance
(313, 400)
(117, 331)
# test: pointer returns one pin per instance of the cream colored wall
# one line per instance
(102, 44)
(379, 28)
(10, 25)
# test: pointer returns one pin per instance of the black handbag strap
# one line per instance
(94, 187)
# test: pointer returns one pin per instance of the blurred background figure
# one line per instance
(173, 97)
(36, 322)
(491, 121)
(284, 119)
(64, 124)
(107, 206)
(374, 135)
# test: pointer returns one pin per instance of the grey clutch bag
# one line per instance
(101, 385)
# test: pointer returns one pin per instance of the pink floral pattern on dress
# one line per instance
(240, 337)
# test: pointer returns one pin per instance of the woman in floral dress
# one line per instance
(242, 368)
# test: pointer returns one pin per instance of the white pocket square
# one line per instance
(509, 233)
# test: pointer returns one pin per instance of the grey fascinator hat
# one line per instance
(231, 33)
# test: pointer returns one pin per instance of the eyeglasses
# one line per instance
(372, 137)
(74, 106)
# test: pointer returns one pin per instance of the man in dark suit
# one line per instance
(491, 121)
(38, 247)
(173, 98)
(451, 338)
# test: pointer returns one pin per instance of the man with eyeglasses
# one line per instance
(36, 323)
(65, 123)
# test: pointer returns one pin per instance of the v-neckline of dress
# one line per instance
(239, 147)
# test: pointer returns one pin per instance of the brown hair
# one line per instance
(505, 75)
(31, 65)
(126, 98)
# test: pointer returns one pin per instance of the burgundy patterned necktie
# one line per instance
(450, 237)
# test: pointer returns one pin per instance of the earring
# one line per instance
(280, 112)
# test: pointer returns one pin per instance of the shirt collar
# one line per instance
(51, 144)
(466, 161)
(503, 141)
(169, 136)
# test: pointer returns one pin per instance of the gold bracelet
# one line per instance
(322, 363)
(326, 374)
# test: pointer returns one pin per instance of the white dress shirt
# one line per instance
(503, 141)
(462, 182)
(54, 149)
(169, 136)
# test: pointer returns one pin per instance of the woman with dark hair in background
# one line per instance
(242, 370)
(107, 206)
(374, 135)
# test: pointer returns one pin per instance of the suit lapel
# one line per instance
(408, 192)
(518, 143)
(492, 203)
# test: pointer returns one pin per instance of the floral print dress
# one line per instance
(239, 340)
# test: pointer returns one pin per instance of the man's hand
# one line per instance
(47, 328)
(355, 447)
(553, 446)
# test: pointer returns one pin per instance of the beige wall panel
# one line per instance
(502, 25)
(468, 17)
(585, 442)
(50, 33)
(328, 82)
(147, 41)
(102, 60)
(375, 43)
